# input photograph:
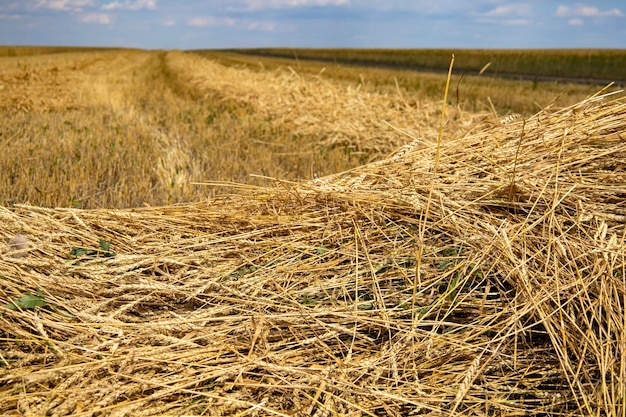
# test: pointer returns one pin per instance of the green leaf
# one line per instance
(104, 245)
(80, 252)
(322, 250)
(28, 301)
(476, 271)
(452, 288)
(443, 265)
(306, 301)
(103, 252)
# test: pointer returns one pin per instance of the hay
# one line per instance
(36, 84)
(335, 113)
(340, 296)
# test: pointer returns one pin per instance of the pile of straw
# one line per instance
(334, 113)
(484, 277)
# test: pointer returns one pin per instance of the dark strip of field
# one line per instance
(16, 51)
(590, 66)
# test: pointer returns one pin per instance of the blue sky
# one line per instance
(315, 23)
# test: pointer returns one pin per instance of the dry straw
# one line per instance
(299, 299)
(339, 114)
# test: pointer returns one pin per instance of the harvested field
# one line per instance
(480, 275)
(583, 65)
(129, 128)
(471, 89)
(337, 115)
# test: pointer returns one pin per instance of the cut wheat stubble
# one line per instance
(297, 298)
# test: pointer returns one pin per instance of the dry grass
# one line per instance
(491, 285)
(23, 51)
(336, 114)
(469, 92)
(128, 128)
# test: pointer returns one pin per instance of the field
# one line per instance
(123, 129)
(22, 51)
(218, 233)
(590, 65)
(468, 90)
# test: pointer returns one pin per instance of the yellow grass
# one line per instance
(300, 298)
(473, 93)
(127, 128)
(22, 51)
(480, 274)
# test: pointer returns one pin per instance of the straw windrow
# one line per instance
(342, 115)
(297, 299)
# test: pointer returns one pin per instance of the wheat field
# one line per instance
(183, 236)
(128, 128)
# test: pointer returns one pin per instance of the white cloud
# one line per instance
(251, 5)
(131, 5)
(98, 18)
(594, 12)
(262, 26)
(508, 10)
(517, 22)
(587, 11)
(508, 14)
(507, 22)
(297, 3)
(70, 5)
(169, 22)
(210, 21)
(575, 22)
(112, 6)
(563, 11)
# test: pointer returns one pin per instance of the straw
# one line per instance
(298, 299)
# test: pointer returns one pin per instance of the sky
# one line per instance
(195, 24)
